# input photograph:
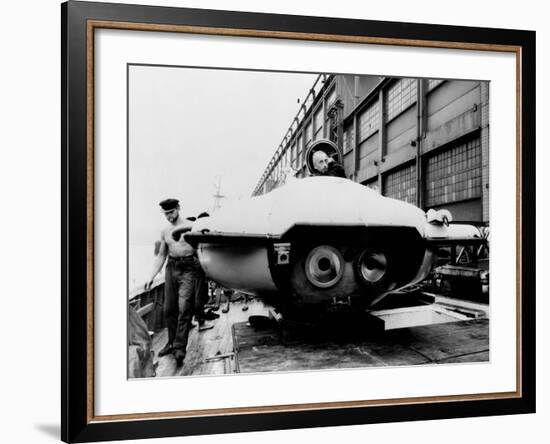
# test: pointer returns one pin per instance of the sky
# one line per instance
(191, 128)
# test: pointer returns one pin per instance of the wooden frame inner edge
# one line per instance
(90, 28)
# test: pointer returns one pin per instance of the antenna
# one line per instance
(217, 195)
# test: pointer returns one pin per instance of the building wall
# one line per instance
(424, 141)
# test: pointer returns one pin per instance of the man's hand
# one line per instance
(176, 234)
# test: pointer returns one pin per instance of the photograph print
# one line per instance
(290, 221)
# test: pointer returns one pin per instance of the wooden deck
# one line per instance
(233, 345)
(453, 342)
(203, 346)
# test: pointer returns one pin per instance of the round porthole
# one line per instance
(372, 266)
(324, 266)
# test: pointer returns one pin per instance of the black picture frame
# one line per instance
(78, 423)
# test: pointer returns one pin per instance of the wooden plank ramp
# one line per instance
(202, 346)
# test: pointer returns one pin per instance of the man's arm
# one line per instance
(160, 258)
(335, 169)
(177, 232)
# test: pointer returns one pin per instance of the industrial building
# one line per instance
(424, 141)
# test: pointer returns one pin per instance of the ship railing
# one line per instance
(149, 304)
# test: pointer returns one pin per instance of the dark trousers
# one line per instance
(183, 288)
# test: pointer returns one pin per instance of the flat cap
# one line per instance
(169, 204)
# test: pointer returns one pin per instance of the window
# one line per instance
(349, 136)
(368, 121)
(318, 123)
(300, 147)
(400, 96)
(401, 184)
(454, 174)
(309, 133)
(331, 97)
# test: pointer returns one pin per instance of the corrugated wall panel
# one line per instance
(369, 146)
(403, 140)
(368, 151)
(348, 163)
(452, 109)
(401, 130)
(467, 211)
(453, 129)
(448, 93)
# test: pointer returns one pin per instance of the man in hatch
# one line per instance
(184, 281)
(324, 165)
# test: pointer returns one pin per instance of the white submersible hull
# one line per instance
(320, 241)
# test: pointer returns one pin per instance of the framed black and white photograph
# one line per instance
(285, 221)
(304, 268)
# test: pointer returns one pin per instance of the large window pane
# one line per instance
(368, 121)
(400, 96)
(401, 184)
(454, 175)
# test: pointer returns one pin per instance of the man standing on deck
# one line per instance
(183, 281)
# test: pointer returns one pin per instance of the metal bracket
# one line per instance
(282, 253)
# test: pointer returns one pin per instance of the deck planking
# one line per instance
(207, 344)
(262, 351)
